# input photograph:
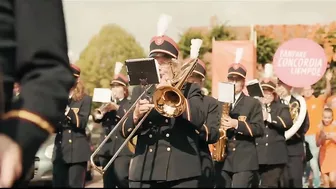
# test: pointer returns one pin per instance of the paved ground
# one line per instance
(97, 181)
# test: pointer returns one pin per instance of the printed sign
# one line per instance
(300, 62)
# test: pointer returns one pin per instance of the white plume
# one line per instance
(117, 68)
(195, 47)
(239, 55)
(268, 71)
(163, 23)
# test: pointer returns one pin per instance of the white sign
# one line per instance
(102, 95)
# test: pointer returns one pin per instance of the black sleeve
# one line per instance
(210, 128)
(79, 117)
(42, 67)
(282, 120)
(254, 125)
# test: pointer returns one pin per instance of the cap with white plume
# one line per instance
(194, 53)
(268, 79)
(118, 77)
(237, 68)
(161, 44)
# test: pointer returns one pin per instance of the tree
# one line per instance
(266, 47)
(185, 43)
(112, 44)
(219, 33)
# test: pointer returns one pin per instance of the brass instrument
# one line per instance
(294, 110)
(219, 148)
(168, 101)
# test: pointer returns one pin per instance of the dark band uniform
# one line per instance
(117, 174)
(72, 149)
(296, 153)
(33, 52)
(241, 161)
(271, 147)
(209, 134)
(167, 150)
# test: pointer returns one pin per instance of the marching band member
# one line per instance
(211, 109)
(109, 115)
(244, 124)
(167, 149)
(33, 52)
(72, 149)
(271, 147)
(294, 169)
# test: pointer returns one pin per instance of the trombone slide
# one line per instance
(102, 170)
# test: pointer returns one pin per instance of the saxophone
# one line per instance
(219, 148)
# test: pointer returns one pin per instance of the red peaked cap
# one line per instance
(200, 68)
(120, 79)
(163, 44)
(237, 69)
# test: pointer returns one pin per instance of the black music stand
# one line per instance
(143, 71)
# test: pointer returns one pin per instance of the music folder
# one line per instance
(143, 71)
(226, 92)
(102, 95)
(254, 88)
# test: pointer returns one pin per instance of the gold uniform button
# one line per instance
(116, 120)
(234, 138)
(69, 131)
(150, 135)
(266, 126)
(59, 133)
(60, 142)
(234, 149)
(70, 141)
(150, 122)
(167, 135)
(256, 144)
(266, 144)
(150, 150)
(167, 120)
(168, 149)
(108, 119)
(116, 136)
(266, 135)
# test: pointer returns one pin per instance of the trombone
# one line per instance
(169, 101)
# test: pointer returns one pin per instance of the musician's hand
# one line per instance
(229, 123)
(328, 76)
(141, 108)
(10, 161)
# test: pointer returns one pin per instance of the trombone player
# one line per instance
(167, 149)
(109, 115)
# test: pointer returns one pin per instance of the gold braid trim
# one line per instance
(29, 116)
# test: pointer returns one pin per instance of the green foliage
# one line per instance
(112, 44)
(266, 48)
(219, 33)
(185, 43)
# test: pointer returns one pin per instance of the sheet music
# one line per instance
(102, 95)
(157, 69)
(226, 92)
(253, 81)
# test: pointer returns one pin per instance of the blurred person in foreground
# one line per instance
(33, 52)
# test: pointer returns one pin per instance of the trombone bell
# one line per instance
(169, 101)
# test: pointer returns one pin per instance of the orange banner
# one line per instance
(223, 55)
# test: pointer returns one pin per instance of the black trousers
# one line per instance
(268, 176)
(69, 175)
(182, 183)
(226, 179)
(293, 172)
(117, 174)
